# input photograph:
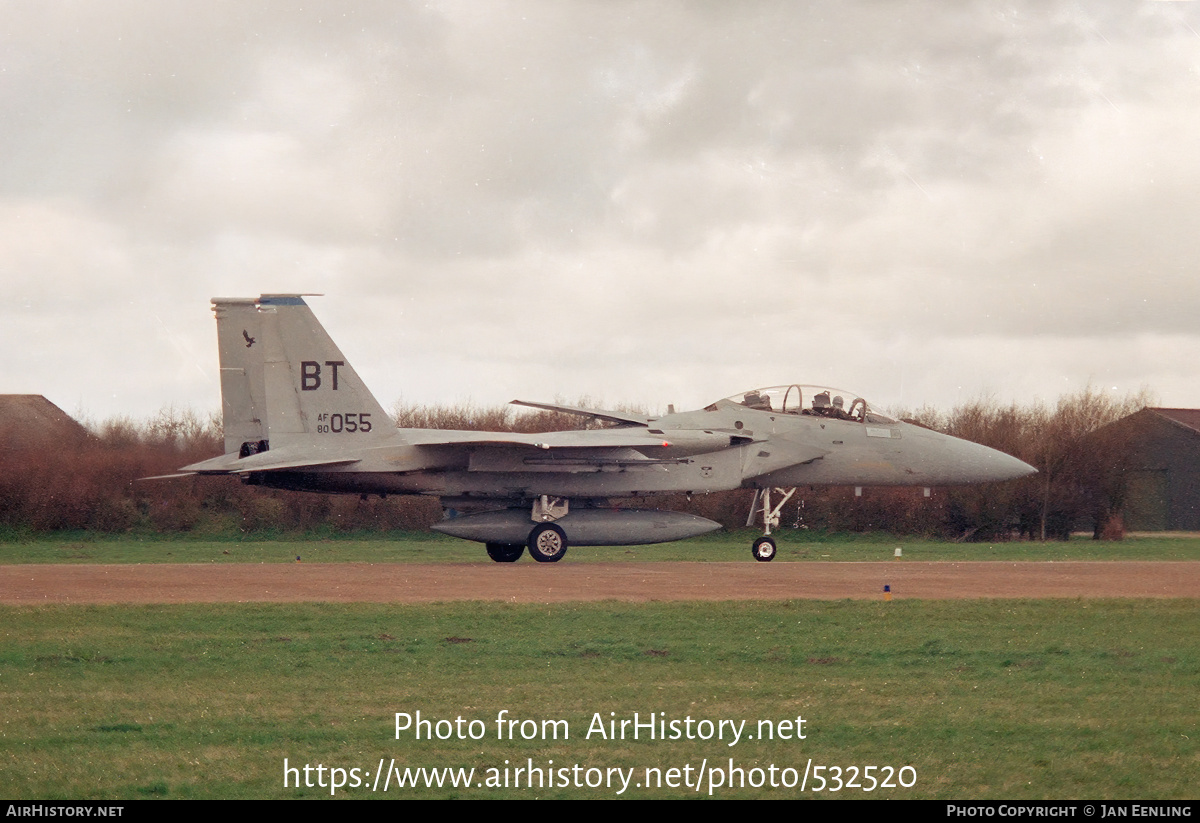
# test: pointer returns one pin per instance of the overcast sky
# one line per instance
(644, 203)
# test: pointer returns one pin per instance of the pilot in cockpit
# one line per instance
(754, 400)
(824, 406)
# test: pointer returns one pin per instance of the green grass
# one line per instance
(989, 699)
(421, 547)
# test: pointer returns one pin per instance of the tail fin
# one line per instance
(243, 400)
(310, 389)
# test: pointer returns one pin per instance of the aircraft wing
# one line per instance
(569, 451)
(565, 460)
(489, 451)
(602, 439)
(597, 414)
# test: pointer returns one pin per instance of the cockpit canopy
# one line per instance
(821, 401)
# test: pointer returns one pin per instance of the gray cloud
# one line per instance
(648, 203)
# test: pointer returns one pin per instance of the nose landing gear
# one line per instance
(763, 549)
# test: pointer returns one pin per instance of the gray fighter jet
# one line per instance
(297, 416)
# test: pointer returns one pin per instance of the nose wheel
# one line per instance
(763, 550)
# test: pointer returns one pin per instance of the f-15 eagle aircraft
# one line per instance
(297, 416)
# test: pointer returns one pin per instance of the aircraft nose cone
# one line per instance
(954, 461)
(1003, 466)
(988, 465)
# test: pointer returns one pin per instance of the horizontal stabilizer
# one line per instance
(295, 464)
(224, 464)
(263, 462)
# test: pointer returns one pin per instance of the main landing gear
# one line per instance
(763, 548)
(505, 552)
(547, 543)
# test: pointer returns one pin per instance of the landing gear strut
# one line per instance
(763, 548)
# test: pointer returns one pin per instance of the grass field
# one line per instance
(976, 699)
(995, 699)
(423, 547)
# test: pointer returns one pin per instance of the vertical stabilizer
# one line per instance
(311, 390)
(240, 349)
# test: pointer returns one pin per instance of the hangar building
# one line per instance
(1154, 457)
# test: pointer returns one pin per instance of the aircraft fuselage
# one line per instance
(749, 449)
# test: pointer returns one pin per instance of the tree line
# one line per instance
(93, 481)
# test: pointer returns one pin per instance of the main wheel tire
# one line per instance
(547, 543)
(505, 552)
(763, 550)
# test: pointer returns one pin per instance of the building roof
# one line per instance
(31, 421)
(1188, 418)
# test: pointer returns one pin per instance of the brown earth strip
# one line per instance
(635, 582)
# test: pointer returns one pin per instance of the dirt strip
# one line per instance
(637, 582)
